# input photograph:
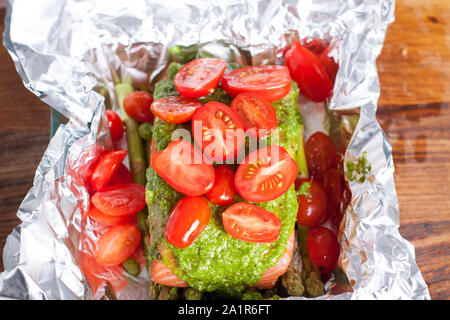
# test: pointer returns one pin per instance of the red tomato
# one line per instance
(330, 65)
(218, 131)
(120, 200)
(332, 186)
(117, 244)
(315, 45)
(247, 222)
(115, 125)
(184, 168)
(106, 167)
(312, 205)
(323, 248)
(97, 275)
(265, 174)
(320, 154)
(257, 114)
(122, 176)
(272, 82)
(107, 219)
(175, 109)
(137, 105)
(199, 77)
(222, 193)
(309, 73)
(345, 201)
(187, 221)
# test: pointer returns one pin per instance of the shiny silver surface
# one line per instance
(63, 50)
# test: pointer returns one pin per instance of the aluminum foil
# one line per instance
(67, 52)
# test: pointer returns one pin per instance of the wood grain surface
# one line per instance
(414, 111)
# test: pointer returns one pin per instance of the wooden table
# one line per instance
(414, 111)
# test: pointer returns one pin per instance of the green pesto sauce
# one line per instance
(357, 171)
(216, 261)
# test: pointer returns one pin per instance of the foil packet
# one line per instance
(71, 54)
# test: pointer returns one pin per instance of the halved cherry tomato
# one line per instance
(199, 77)
(331, 182)
(328, 62)
(187, 221)
(309, 73)
(184, 168)
(247, 222)
(117, 244)
(265, 174)
(323, 248)
(120, 200)
(312, 205)
(115, 125)
(106, 167)
(272, 82)
(122, 176)
(107, 219)
(218, 130)
(257, 114)
(222, 193)
(175, 109)
(137, 105)
(320, 154)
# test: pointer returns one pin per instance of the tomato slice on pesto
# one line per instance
(175, 109)
(247, 222)
(256, 112)
(199, 77)
(218, 130)
(223, 192)
(272, 82)
(184, 168)
(265, 174)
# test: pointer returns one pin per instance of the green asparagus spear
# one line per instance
(135, 144)
(292, 280)
(192, 294)
(145, 131)
(311, 278)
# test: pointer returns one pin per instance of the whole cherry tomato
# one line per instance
(272, 82)
(222, 193)
(307, 70)
(187, 221)
(137, 105)
(122, 176)
(320, 154)
(312, 204)
(323, 248)
(115, 125)
(257, 114)
(199, 77)
(314, 45)
(328, 62)
(106, 167)
(248, 222)
(331, 182)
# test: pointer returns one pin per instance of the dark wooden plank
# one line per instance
(24, 136)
